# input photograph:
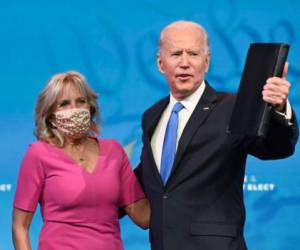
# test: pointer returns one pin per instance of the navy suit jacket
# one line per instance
(201, 206)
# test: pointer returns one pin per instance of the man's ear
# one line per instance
(159, 63)
(207, 62)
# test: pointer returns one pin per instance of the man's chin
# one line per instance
(183, 93)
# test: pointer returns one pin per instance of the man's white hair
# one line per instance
(182, 24)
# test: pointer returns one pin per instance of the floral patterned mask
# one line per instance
(72, 122)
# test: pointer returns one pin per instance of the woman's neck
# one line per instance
(76, 141)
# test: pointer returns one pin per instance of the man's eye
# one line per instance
(193, 54)
(176, 54)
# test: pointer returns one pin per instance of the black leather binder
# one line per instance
(251, 115)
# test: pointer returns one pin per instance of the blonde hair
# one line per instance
(47, 100)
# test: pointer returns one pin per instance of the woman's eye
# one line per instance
(82, 101)
(63, 104)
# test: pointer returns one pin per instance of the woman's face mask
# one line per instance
(73, 122)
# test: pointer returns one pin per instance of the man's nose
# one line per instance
(184, 62)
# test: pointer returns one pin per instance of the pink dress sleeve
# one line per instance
(131, 190)
(30, 180)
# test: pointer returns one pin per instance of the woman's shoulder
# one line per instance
(35, 151)
(39, 145)
(110, 145)
(109, 142)
(39, 148)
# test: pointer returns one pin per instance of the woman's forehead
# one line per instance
(70, 89)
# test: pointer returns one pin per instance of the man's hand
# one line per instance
(276, 90)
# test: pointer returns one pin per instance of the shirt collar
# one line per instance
(191, 101)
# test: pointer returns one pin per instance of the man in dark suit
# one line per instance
(191, 168)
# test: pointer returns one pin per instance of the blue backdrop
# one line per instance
(113, 43)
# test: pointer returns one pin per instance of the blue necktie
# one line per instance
(169, 146)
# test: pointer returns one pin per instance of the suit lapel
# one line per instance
(154, 116)
(199, 115)
(150, 125)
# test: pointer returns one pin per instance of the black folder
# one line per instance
(251, 115)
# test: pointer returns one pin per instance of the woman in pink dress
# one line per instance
(79, 181)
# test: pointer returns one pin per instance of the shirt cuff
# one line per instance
(287, 114)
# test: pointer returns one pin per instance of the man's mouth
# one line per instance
(183, 77)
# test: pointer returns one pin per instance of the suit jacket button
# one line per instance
(165, 196)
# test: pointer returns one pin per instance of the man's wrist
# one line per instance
(286, 112)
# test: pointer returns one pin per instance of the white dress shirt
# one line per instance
(184, 115)
(288, 112)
